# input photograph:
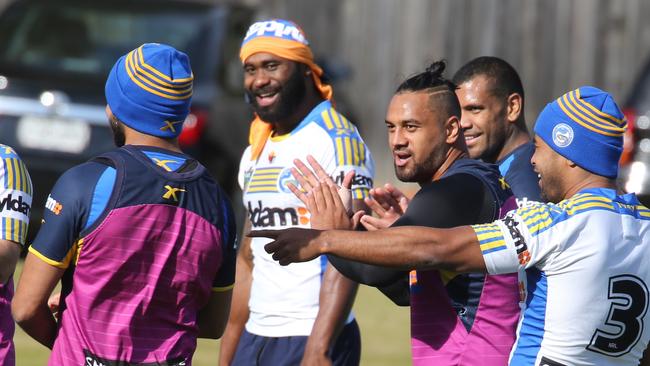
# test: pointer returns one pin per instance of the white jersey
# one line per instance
(587, 265)
(284, 299)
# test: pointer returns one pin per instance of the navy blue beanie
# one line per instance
(150, 89)
(585, 126)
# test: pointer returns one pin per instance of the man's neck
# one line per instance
(147, 140)
(591, 181)
(516, 139)
(453, 154)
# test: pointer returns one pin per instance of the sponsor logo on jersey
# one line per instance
(53, 205)
(520, 244)
(286, 177)
(359, 180)
(562, 135)
(11, 203)
(524, 202)
(94, 360)
(262, 216)
(503, 183)
(171, 193)
(247, 178)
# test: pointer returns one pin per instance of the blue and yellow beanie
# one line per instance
(585, 126)
(150, 89)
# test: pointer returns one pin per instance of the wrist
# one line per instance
(323, 241)
(316, 346)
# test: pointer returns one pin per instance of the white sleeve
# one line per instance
(513, 243)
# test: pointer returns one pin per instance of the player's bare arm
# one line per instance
(239, 311)
(417, 247)
(29, 306)
(9, 253)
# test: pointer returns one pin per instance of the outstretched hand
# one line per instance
(330, 206)
(290, 245)
(388, 203)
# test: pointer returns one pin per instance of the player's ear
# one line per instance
(514, 107)
(452, 129)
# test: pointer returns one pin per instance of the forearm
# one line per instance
(38, 324)
(29, 306)
(236, 322)
(9, 253)
(407, 247)
(366, 274)
(336, 298)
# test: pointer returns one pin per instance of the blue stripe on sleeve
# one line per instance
(101, 195)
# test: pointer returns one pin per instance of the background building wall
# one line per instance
(556, 45)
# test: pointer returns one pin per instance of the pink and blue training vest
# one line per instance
(145, 235)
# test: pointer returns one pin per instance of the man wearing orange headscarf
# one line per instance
(298, 313)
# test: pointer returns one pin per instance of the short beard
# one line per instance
(119, 138)
(292, 94)
(420, 173)
(551, 191)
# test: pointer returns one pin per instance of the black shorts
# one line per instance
(286, 351)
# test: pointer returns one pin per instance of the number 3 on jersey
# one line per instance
(629, 296)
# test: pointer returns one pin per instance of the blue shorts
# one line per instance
(284, 351)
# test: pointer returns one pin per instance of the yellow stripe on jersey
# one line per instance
(223, 289)
(46, 259)
(362, 153)
(493, 244)
(340, 153)
(327, 119)
(335, 117)
(360, 193)
(346, 123)
(488, 235)
(24, 226)
(9, 174)
(73, 253)
(264, 179)
(79, 244)
(482, 228)
(16, 228)
(583, 206)
(348, 151)
(539, 226)
(355, 152)
(17, 174)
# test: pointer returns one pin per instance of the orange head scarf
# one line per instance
(283, 39)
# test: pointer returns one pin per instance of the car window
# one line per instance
(60, 37)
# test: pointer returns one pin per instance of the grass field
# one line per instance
(384, 332)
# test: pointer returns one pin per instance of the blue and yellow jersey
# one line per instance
(15, 196)
(289, 295)
(587, 277)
